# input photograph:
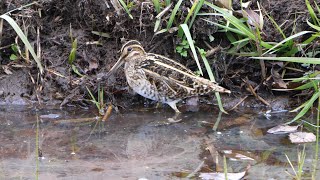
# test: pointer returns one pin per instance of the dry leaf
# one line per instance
(282, 129)
(253, 18)
(224, 4)
(220, 176)
(302, 137)
(278, 81)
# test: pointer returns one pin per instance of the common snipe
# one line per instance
(159, 78)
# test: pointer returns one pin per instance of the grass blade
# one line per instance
(312, 13)
(304, 60)
(313, 26)
(125, 7)
(93, 98)
(305, 86)
(167, 2)
(209, 71)
(316, 151)
(199, 5)
(173, 14)
(238, 24)
(156, 4)
(276, 25)
(287, 39)
(190, 41)
(307, 106)
(237, 31)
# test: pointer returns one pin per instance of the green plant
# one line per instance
(156, 4)
(243, 32)
(14, 55)
(73, 54)
(210, 73)
(313, 15)
(182, 48)
(98, 103)
(225, 167)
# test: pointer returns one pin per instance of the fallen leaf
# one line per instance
(254, 19)
(302, 137)
(224, 4)
(278, 81)
(282, 129)
(220, 176)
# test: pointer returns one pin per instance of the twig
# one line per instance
(256, 95)
(22, 7)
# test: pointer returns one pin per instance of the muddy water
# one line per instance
(71, 144)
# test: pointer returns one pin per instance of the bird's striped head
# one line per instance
(130, 49)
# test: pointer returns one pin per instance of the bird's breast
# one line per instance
(137, 80)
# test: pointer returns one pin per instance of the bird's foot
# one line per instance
(175, 119)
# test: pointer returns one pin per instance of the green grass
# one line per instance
(99, 103)
(211, 76)
(247, 41)
(156, 4)
(191, 44)
(173, 14)
(316, 149)
(225, 167)
(298, 174)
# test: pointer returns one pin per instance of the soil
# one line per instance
(60, 21)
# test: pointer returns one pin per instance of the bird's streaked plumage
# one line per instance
(159, 78)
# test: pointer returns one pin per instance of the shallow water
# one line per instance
(141, 144)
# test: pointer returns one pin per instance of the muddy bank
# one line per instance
(60, 21)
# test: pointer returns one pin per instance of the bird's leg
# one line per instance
(173, 105)
(175, 118)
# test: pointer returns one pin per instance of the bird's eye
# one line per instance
(129, 49)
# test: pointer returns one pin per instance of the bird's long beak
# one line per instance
(116, 66)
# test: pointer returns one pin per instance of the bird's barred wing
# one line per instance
(169, 62)
(172, 81)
